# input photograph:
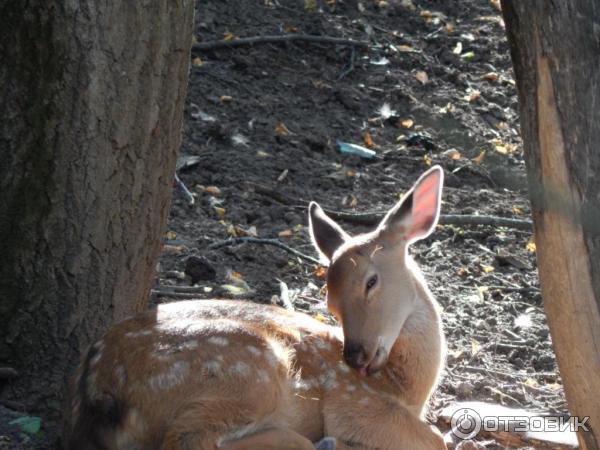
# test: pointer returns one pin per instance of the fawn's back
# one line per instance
(238, 375)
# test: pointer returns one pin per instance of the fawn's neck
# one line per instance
(416, 357)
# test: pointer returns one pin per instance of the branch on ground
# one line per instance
(272, 242)
(373, 218)
(213, 45)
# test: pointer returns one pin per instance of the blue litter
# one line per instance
(353, 149)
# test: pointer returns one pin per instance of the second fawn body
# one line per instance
(212, 374)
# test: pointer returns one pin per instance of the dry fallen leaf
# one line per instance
(452, 154)
(174, 249)
(503, 148)
(310, 5)
(234, 290)
(457, 50)
(408, 4)
(350, 173)
(473, 96)
(479, 158)
(262, 154)
(496, 4)
(405, 48)
(475, 347)
(449, 27)
(349, 201)
(320, 272)
(368, 140)
(428, 160)
(220, 212)
(462, 272)
(212, 190)
(171, 235)
(422, 76)
(487, 269)
(228, 36)
(281, 129)
(490, 76)
(516, 210)
(226, 98)
(407, 123)
(231, 231)
(531, 248)
(196, 61)
(320, 317)
(285, 233)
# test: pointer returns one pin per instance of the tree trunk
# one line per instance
(555, 49)
(92, 106)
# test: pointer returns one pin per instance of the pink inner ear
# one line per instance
(425, 206)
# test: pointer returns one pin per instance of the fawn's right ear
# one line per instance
(327, 236)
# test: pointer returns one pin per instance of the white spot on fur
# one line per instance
(134, 425)
(90, 385)
(96, 358)
(240, 368)
(218, 340)
(303, 385)
(121, 375)
(136, 334)
(75, 406)
(350, 388)
(190, 345)
(238, 433)
(276, 354)
(262, 376)
(366, 387)
(321, 345)
(343, 367)
(174, 375)
(254, 350)
(211, 368)
(328, 380)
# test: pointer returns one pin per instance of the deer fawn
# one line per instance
(217, 374)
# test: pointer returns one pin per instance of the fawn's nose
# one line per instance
(355, 355)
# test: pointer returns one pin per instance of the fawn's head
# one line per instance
(370, 282)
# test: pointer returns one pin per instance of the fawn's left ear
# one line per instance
(416, 215)
(326, 234)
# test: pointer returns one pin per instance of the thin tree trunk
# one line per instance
(91, 102)
(556, 54)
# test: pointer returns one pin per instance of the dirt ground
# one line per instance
(435, 86)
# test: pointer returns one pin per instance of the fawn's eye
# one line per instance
(372, 281)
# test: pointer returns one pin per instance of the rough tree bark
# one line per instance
(555, 49)
(91, 105)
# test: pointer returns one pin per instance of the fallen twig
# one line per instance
(15, 406)
(350, 66)
(520, 290)
(212, 45)
(8, 372)
(184, 189)
(505, 375)
(373, 218)
(273, 242)
(160, 292)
